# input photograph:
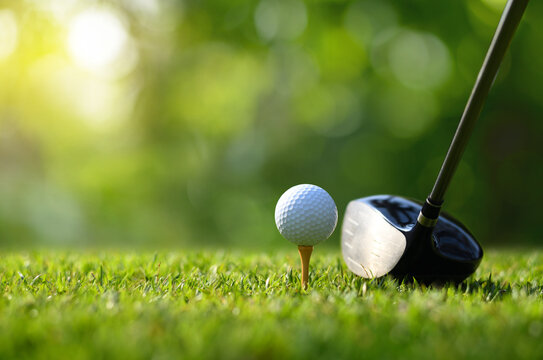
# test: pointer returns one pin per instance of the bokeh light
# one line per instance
(8, 33)
(419, 61)
(283, 19)
(416, 60)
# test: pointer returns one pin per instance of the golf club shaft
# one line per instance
(509, 21)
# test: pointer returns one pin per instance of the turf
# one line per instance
(244, 306)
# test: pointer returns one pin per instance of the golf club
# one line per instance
(391, 234)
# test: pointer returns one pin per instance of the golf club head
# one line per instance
(379, 237)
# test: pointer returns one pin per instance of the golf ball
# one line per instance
(306, 215)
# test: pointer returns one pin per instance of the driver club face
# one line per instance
(379, 237)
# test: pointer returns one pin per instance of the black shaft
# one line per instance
(504, 33)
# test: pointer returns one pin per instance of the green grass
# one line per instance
(215, 305)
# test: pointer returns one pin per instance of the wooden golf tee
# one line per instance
(305, 255)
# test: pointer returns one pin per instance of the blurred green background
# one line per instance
(155, 123)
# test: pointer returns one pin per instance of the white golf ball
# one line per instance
(306, 215)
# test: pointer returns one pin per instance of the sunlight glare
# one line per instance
(96, 39)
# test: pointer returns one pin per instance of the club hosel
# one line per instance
(418, 240)
(418, 245)
(429, 214)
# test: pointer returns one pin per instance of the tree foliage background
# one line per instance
(180, 123)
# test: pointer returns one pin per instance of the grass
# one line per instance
(215, 305)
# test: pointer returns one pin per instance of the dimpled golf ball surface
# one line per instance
(306, 215)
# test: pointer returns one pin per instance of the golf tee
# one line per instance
(305, 255)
